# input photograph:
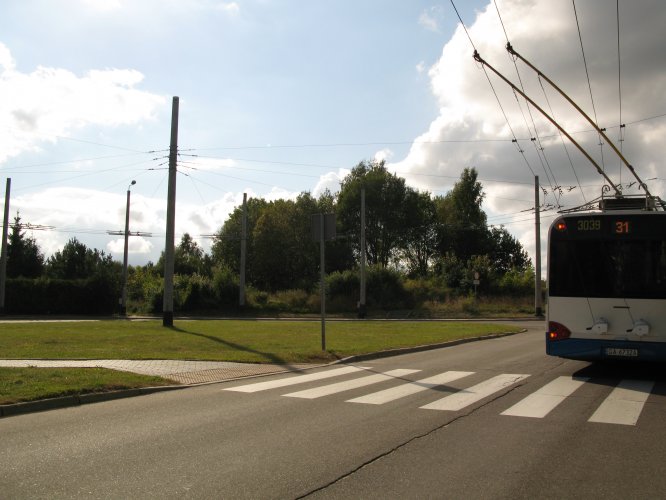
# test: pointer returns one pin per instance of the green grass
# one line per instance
(225, 340)
(28, 384)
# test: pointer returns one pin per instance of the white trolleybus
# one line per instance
(607, 282)
(607, 267)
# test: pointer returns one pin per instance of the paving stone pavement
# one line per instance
(184, 372)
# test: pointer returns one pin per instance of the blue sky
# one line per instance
(280, 97)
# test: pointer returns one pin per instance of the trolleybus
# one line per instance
(607, 284)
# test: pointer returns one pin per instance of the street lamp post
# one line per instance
(123, 299)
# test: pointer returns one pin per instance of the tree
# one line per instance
(506, 252)
(284, 254)
(462, 222)
(189, 258)
(226, 246)
(24, 259)
(387, 221)
(77, 261)
(420, 246)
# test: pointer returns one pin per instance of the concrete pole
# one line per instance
(3, 253)
(361, 306)
(169, 245)
(538, 304)
(243, 256)
(123, 298)
(322, 260)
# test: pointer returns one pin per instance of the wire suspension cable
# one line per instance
(515, 139)
(587, 74)
(536, 141)
(479, 59)
(619, 79)
(585, 115)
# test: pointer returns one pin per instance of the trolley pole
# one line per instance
(538, 306)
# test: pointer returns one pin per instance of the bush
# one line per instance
(386, 290)
(95, 296)
(516, 283)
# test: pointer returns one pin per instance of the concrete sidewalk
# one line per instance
(183, 372)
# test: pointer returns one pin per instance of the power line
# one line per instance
(589, 84)
(619, 79)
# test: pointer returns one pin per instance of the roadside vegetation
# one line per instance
(428, 256)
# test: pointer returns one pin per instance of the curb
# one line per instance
(428, 347)
(79, 399)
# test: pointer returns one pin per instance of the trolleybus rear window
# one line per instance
(596, 257)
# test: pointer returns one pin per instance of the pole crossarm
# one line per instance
(480, 60)
(513, 52)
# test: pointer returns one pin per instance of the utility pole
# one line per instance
(123, 297)
(361, 305)
(3, 255)
(169, 249)
(322, 278)
(538, 307)
(243, 256)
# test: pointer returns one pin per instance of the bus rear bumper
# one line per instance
(593, 349)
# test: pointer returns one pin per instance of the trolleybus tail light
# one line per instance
(556, 331)
(561, 226)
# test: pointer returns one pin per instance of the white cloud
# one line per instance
(383, 155)
(6, 60)
(52, 102)
(103, 5)
(429, 18)
(330, 181)
(136, 245)
(229, 7)
(421, 67)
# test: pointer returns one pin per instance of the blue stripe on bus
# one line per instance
(592, 349)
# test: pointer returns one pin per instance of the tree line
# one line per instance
(419, 247)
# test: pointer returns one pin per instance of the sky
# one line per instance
(278, 97)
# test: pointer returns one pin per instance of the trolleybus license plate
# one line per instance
(622, 352)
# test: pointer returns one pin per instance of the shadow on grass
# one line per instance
(268, 356)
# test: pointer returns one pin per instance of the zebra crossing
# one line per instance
(623, 406)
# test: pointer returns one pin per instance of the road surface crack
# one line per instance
(406, 443)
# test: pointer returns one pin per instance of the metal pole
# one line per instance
(243, 258)
(169, 249)
(3, 254)
(538, 306)
(323, 283)
(123, 298)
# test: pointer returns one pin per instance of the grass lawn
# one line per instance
(29, 384)
(220, 340)
(225, 340)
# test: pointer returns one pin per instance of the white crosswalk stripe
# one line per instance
(410, 388)
(350, 384)
(624, 405)
(466, 397)
(298, 379)
(542, 402)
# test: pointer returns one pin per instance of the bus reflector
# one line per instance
(556, 331)
(561, 226)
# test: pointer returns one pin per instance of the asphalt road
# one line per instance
(443, 437)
